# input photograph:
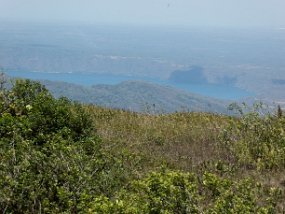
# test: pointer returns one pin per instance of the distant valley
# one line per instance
(220, 63)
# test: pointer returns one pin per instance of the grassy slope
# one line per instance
(184, 141)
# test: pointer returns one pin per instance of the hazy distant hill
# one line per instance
(137, 96)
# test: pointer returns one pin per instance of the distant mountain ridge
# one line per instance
(138, 96)
(134, 95)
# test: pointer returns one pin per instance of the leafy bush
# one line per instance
(179, 192)
(28, 111)
(257, 139)
(50, 162)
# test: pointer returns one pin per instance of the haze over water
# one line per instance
(238, 46)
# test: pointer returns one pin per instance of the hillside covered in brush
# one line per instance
(58, 156)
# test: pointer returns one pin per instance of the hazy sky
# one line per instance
(240, 13)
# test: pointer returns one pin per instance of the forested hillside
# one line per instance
(138, 96)
(134, 95)
(57, 156)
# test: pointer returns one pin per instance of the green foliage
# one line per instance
(257, 139)
(58, 177)
(245, 196)
(166, 192)
(178, 192)
(50, 162)
(28, 111)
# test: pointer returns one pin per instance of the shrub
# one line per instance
(50, 162)
(257, 140)
(179, 192)
(29, 111)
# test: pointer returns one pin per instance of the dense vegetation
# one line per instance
(57, 156)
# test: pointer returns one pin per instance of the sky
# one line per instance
(239, 13)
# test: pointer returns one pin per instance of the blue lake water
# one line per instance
(211, 90)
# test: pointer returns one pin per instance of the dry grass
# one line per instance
(183, 141)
